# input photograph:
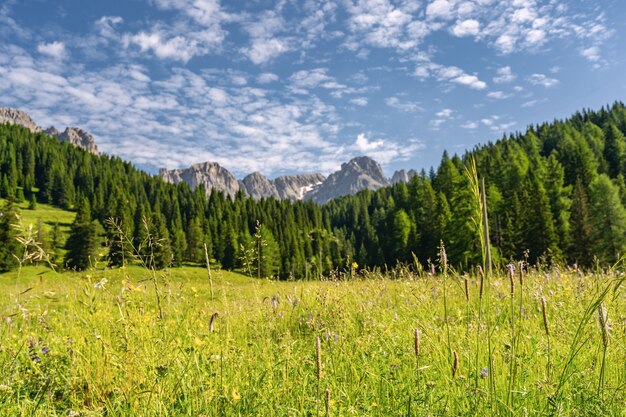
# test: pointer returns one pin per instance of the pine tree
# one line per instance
(32, 202)
(159, 245)
(581, 227)
(195, 245)
(608, 218)
(83, 242)
(399, 231)
(10, 245)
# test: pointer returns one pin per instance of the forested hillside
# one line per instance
(555, 193)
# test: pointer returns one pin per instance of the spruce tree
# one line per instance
(83, 242)
(581, 227)
(10, 246)
(608, 218)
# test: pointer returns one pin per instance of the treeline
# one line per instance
(555, 194)
(138, 216)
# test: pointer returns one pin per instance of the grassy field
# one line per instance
(130, 342)
(48, 216)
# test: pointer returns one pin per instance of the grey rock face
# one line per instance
(80, 138)
(403, 176)
(296, 187)
(18, 117)
(258, 186)
(73, 135)
(52, 131)
(209, 174)
(359, 174)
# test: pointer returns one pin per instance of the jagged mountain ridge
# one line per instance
(358, 174)
(209, 174)
(18, 117)
(72, 135)
(291, 187)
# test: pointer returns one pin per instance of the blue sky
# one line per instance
(301, 86)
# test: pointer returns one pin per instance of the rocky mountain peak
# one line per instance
(356, 175)
(403, 176)
(259, 186)
(72, 135)
(210, 174)
(18, 117)
(52, 131)
(77, 137)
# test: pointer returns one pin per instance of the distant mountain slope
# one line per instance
(209, 174)
(358, 174)
(18, 117)
(361, 173)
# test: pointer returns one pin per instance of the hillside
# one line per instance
(555, 193)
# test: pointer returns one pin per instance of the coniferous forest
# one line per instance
(556, 194)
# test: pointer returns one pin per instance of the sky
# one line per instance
(297, 86)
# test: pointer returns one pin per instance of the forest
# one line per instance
(556, 194)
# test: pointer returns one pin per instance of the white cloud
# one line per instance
(265, 44)
(55, 49)
(469, 27)
(498, 95)
(264, 50)
(308, 79)
(267, 77)
(385, 151)
(381, 24)
(591, 54)
(450, 74)
(445, 113)
(365, 145)
(542, 79)
(359, 101)
(469, 125)
(494, 124)
(405, 106)
(177, 48)
(533, 103)
(471, 81)
(238, 79)
(205, 13)
(443, 116)
(505, 75)
(439, 9)
(106, 25)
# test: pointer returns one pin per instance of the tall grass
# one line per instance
(76, 343)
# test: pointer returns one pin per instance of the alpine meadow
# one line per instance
(312, 208)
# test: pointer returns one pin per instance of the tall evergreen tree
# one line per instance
(10, 245)
(83, 242)
(608, 218)
(581, 228)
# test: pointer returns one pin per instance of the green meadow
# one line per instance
(134, 342)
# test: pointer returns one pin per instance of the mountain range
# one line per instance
(358, 174)
(72, 135)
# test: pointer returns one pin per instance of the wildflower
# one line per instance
(45, 350)
(484, 373)
(235, 394)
